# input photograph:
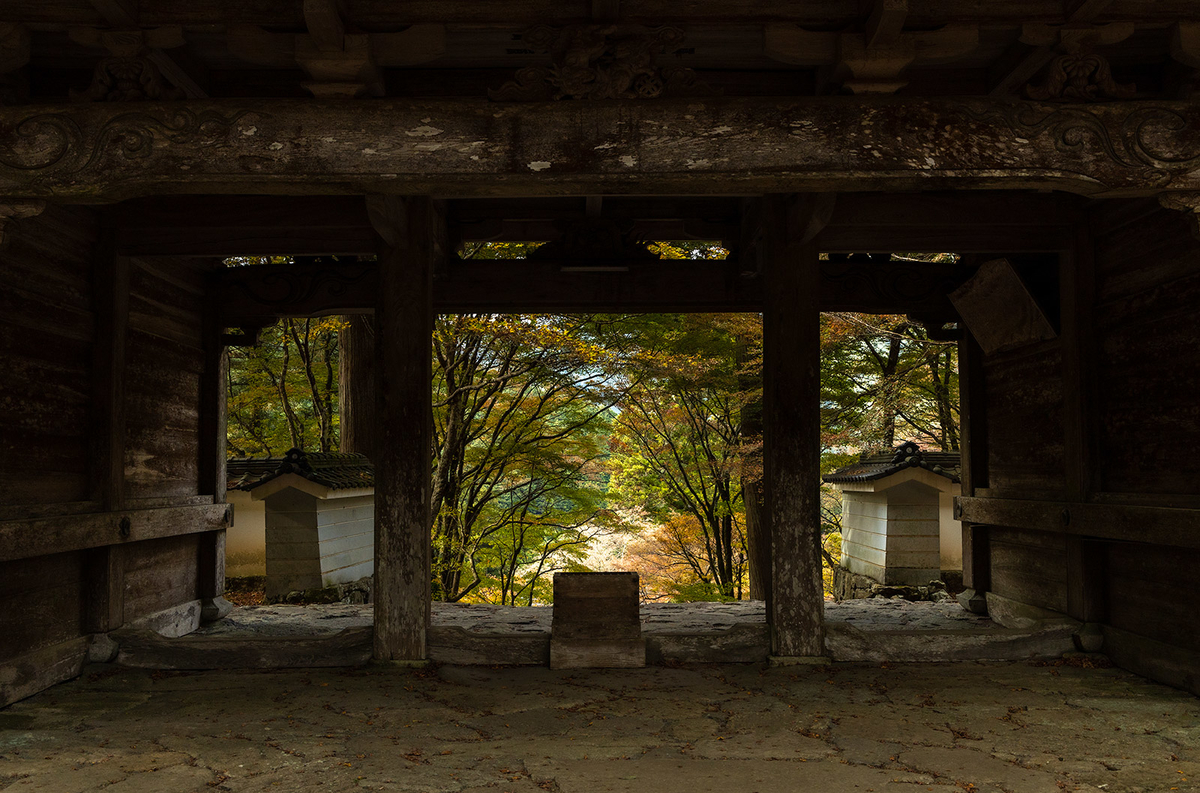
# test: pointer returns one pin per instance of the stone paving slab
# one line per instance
(944, 728)
(873, 614)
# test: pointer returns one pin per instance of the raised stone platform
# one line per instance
(863, 630)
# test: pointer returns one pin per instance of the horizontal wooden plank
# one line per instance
(23, 539)
(1157, 525)
(258, 294)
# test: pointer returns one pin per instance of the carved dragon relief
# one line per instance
(601, 62)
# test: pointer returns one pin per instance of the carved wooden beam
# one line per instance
(104, 152)
(258, 295)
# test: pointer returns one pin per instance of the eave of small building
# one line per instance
(915, 474)
(297, 482)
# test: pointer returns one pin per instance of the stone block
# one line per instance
(596, 621)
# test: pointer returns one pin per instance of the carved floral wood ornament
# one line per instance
(600, 62)
(1080, 74)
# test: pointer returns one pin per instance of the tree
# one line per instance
(677, 446)
(282, 392)
(522, 407)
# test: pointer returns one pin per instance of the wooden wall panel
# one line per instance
(1148, 360)
(165, 361)
(1029, 566)
(46, 331)
(40, 602)
(1025, 436)
(1153, 590)
(160, 574)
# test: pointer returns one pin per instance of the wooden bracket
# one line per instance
(14, 46)
(340, 63)
(872, 62)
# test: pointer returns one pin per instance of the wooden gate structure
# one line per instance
(140, 142)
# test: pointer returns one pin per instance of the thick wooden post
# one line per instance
(1086, 596)
(974, 475)
(791, 442)
(411, 231)
(356, 384)
(104, 578)
(211, 565)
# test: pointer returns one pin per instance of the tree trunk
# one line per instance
(356, 388)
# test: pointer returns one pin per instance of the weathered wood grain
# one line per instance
(38, 670)
(412, 235)
(161, 573)
(46, 332)
(286, 146)
(24, 539)
(1146, 355)
(1024, 392)
(41, 602)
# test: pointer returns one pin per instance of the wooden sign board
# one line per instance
(997, 308)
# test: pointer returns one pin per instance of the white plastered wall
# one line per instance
(901, 529)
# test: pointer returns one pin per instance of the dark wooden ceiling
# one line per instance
(471, 48)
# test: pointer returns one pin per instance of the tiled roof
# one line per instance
(335, 470)
(906, 455)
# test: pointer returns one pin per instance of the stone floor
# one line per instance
(978, 726)
(874, 614)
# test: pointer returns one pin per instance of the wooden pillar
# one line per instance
(1086, 596)
(791, 441)
(104, 574)
(211, 565)
(356, 384)
(974, 474)
(412, 234)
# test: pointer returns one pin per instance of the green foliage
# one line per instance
(283, 391)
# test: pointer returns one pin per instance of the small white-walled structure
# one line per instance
(318, 526)
(897, 516)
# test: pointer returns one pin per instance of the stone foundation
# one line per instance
(353, 592)
(852, 586)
